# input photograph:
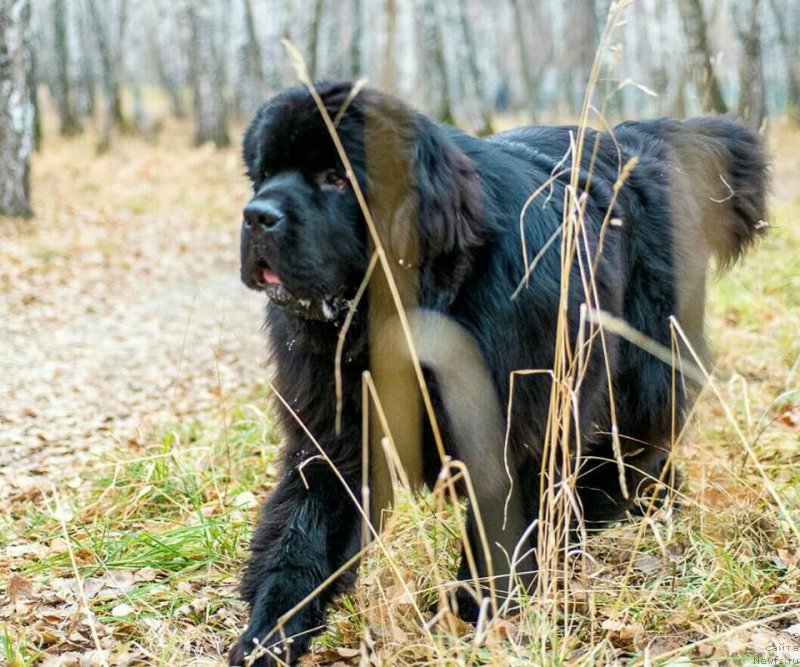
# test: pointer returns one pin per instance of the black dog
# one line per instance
(657, 199)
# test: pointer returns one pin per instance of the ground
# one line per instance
(136, 438)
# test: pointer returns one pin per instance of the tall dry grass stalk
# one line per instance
(560, 556)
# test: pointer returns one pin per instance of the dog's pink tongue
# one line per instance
(270, 277)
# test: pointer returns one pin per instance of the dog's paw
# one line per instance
(272, 638)
(465, 605)
(253, 650)
(244, 652)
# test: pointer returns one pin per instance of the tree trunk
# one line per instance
(33, 76)
(109, 67)
(143, 123)
(253, 47)
(88, 77)
(16, 110)
(356, 32)
(208, 78)
(582, 42)
(696, 32)
(678, 106)
(484, 113)
(163, 44)
(62, 90)
(250, 84)
(752, 94)
(117, 53)
(313, 45)
(526, 66)
(389, 47)
(791, 57)
(437, 82)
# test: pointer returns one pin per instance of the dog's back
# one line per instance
(708, 176)
(682, 192)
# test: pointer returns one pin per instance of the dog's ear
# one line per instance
(449, 211)
(425, 196)
(251, 146)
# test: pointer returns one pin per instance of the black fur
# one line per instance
(468, 194)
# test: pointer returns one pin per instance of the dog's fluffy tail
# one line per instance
(719, 180)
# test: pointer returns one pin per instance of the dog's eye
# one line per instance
(331, 178)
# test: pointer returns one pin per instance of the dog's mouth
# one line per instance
(268, 276)
(331, 308)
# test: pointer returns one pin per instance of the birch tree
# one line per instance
(525, 63)
(88, 65)
(250, 84)
(473, 70)
(314, 38)
(16, 110)
(459, 60)
(62, 85)
(207, 74)
(165, 46)
(581, 41)
(434, 69)
(790, 52)
(752, 95)
(109, 47)
(694, 23)
(357, 29)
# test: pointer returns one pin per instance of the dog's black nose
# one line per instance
(263, 213)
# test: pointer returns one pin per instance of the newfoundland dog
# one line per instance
(524, 260)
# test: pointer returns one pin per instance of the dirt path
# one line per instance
(114, 320)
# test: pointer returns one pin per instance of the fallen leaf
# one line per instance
(245, 500)
(790, 419)
(455, 624)
(647, 563)
(705, 650)
(122, 580)
(68, 659)
(736, 646)
(146, 574)
(623, 633)
(52, 615)
(789, 557)
(763, 639)
(661, 645)
(19, 588)
(122, 610)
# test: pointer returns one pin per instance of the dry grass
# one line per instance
(136, 557)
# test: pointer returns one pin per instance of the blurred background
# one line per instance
(130, 62)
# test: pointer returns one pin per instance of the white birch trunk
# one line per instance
(16, 109)
(208, 78)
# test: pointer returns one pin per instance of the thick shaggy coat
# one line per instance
(692, 189)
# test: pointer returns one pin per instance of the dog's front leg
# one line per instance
(309, 528)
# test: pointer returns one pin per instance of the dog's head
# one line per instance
(304, 237)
